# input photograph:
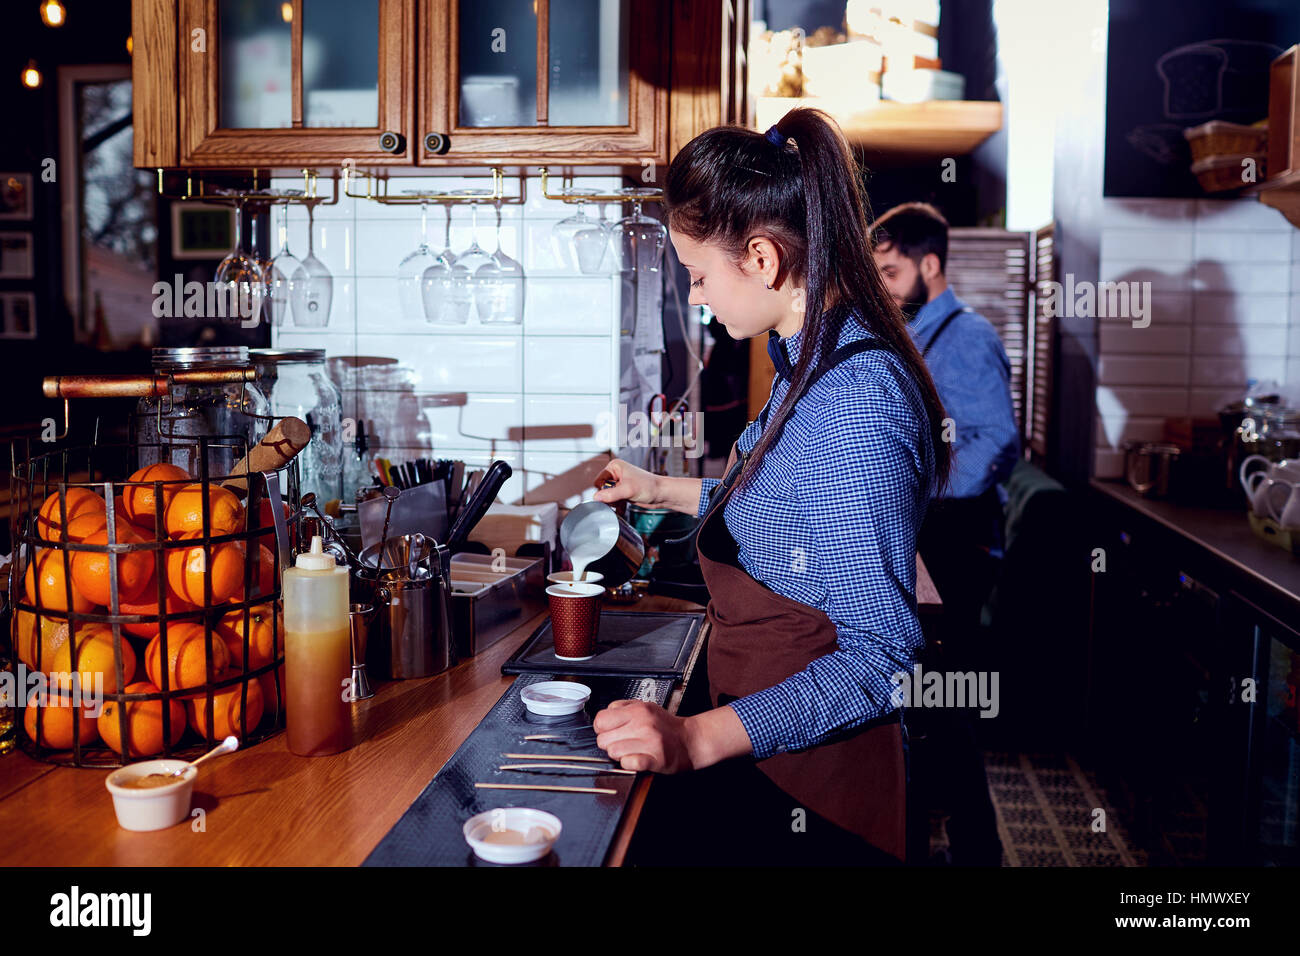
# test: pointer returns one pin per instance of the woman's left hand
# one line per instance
(643, 736)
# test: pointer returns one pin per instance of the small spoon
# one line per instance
(227, 746)
(417, 546)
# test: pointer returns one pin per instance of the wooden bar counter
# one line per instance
(267, 807)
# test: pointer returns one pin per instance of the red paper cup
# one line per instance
(575, 618)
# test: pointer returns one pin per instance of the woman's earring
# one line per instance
(767, 285)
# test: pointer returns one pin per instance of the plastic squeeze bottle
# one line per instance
(317, 654)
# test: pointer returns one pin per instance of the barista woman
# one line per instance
(808, 546)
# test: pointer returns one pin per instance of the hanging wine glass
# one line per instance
(410, 272)
(312, 286)
(241, 276)
(279, 278)
(580, 241)
(609, 263)
(475, 257)
(639, 239)
(446, 287)
(263, 261)
(499, 286)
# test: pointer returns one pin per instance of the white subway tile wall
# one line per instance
(539, 395)
(1225, 307)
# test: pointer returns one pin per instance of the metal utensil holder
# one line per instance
(413, 615)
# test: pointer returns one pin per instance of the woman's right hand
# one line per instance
(643, 488)
(630, 484)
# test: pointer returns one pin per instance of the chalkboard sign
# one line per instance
(1175, 64)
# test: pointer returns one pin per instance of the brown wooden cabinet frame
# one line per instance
(693, 48)
(204, 143)
(643, 139)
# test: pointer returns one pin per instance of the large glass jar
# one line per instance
(298, 384)
(234, 413)
(1279, 434)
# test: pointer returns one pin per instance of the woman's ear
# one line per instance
(763, 261)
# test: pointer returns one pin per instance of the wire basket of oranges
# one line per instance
(146, 601)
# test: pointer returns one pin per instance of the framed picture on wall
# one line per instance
(202, 230)
(16, 256)
(15, 195)
(17, 315)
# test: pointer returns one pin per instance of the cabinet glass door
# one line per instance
(497, 53)
(588, 84)
(256, 46)
(547, 80)
(268, 82)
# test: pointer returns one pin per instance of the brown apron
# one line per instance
(757, 639)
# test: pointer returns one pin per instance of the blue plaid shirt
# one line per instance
(831, 521)
(971, 371)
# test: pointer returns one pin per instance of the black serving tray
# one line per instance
(630, 643)
(430, 832)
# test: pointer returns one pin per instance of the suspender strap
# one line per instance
(943, 325)
(841, 354)
(720, 490)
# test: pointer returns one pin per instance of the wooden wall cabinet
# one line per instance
(256, 88)
(220, 84)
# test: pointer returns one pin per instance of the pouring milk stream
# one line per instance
(589, 541)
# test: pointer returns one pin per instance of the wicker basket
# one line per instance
(1217, 138)
(1223, 173)
(48, 607)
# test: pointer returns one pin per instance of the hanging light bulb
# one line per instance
(53, 14)
(31, 75)
(286, 12)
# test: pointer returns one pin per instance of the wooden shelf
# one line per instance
(903, 130)
(1283, 194)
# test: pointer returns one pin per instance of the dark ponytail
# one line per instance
(730, 184)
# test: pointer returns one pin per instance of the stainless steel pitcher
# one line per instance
(413, 599)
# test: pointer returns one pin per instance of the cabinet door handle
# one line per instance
(391, 142)
(437, 143)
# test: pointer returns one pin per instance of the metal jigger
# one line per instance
(357, 617)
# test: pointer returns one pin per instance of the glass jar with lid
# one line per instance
(1279, 433)
(234, 412)
(297, 383)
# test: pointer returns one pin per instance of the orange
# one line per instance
(187, 567)
(53, 634)
(273, 702)
(265, 516)
(80, 501)
(56, 725)
(261, 636)
(90, 569)
(144, 723)
(263, 575)
(48, 569)
(185, 511)
(94, 657)
(84, 525)
(186, 665)
(225, 710)
(139, 502)
(148, 604)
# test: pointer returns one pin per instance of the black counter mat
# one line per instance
(429, 833)
(644, 644)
